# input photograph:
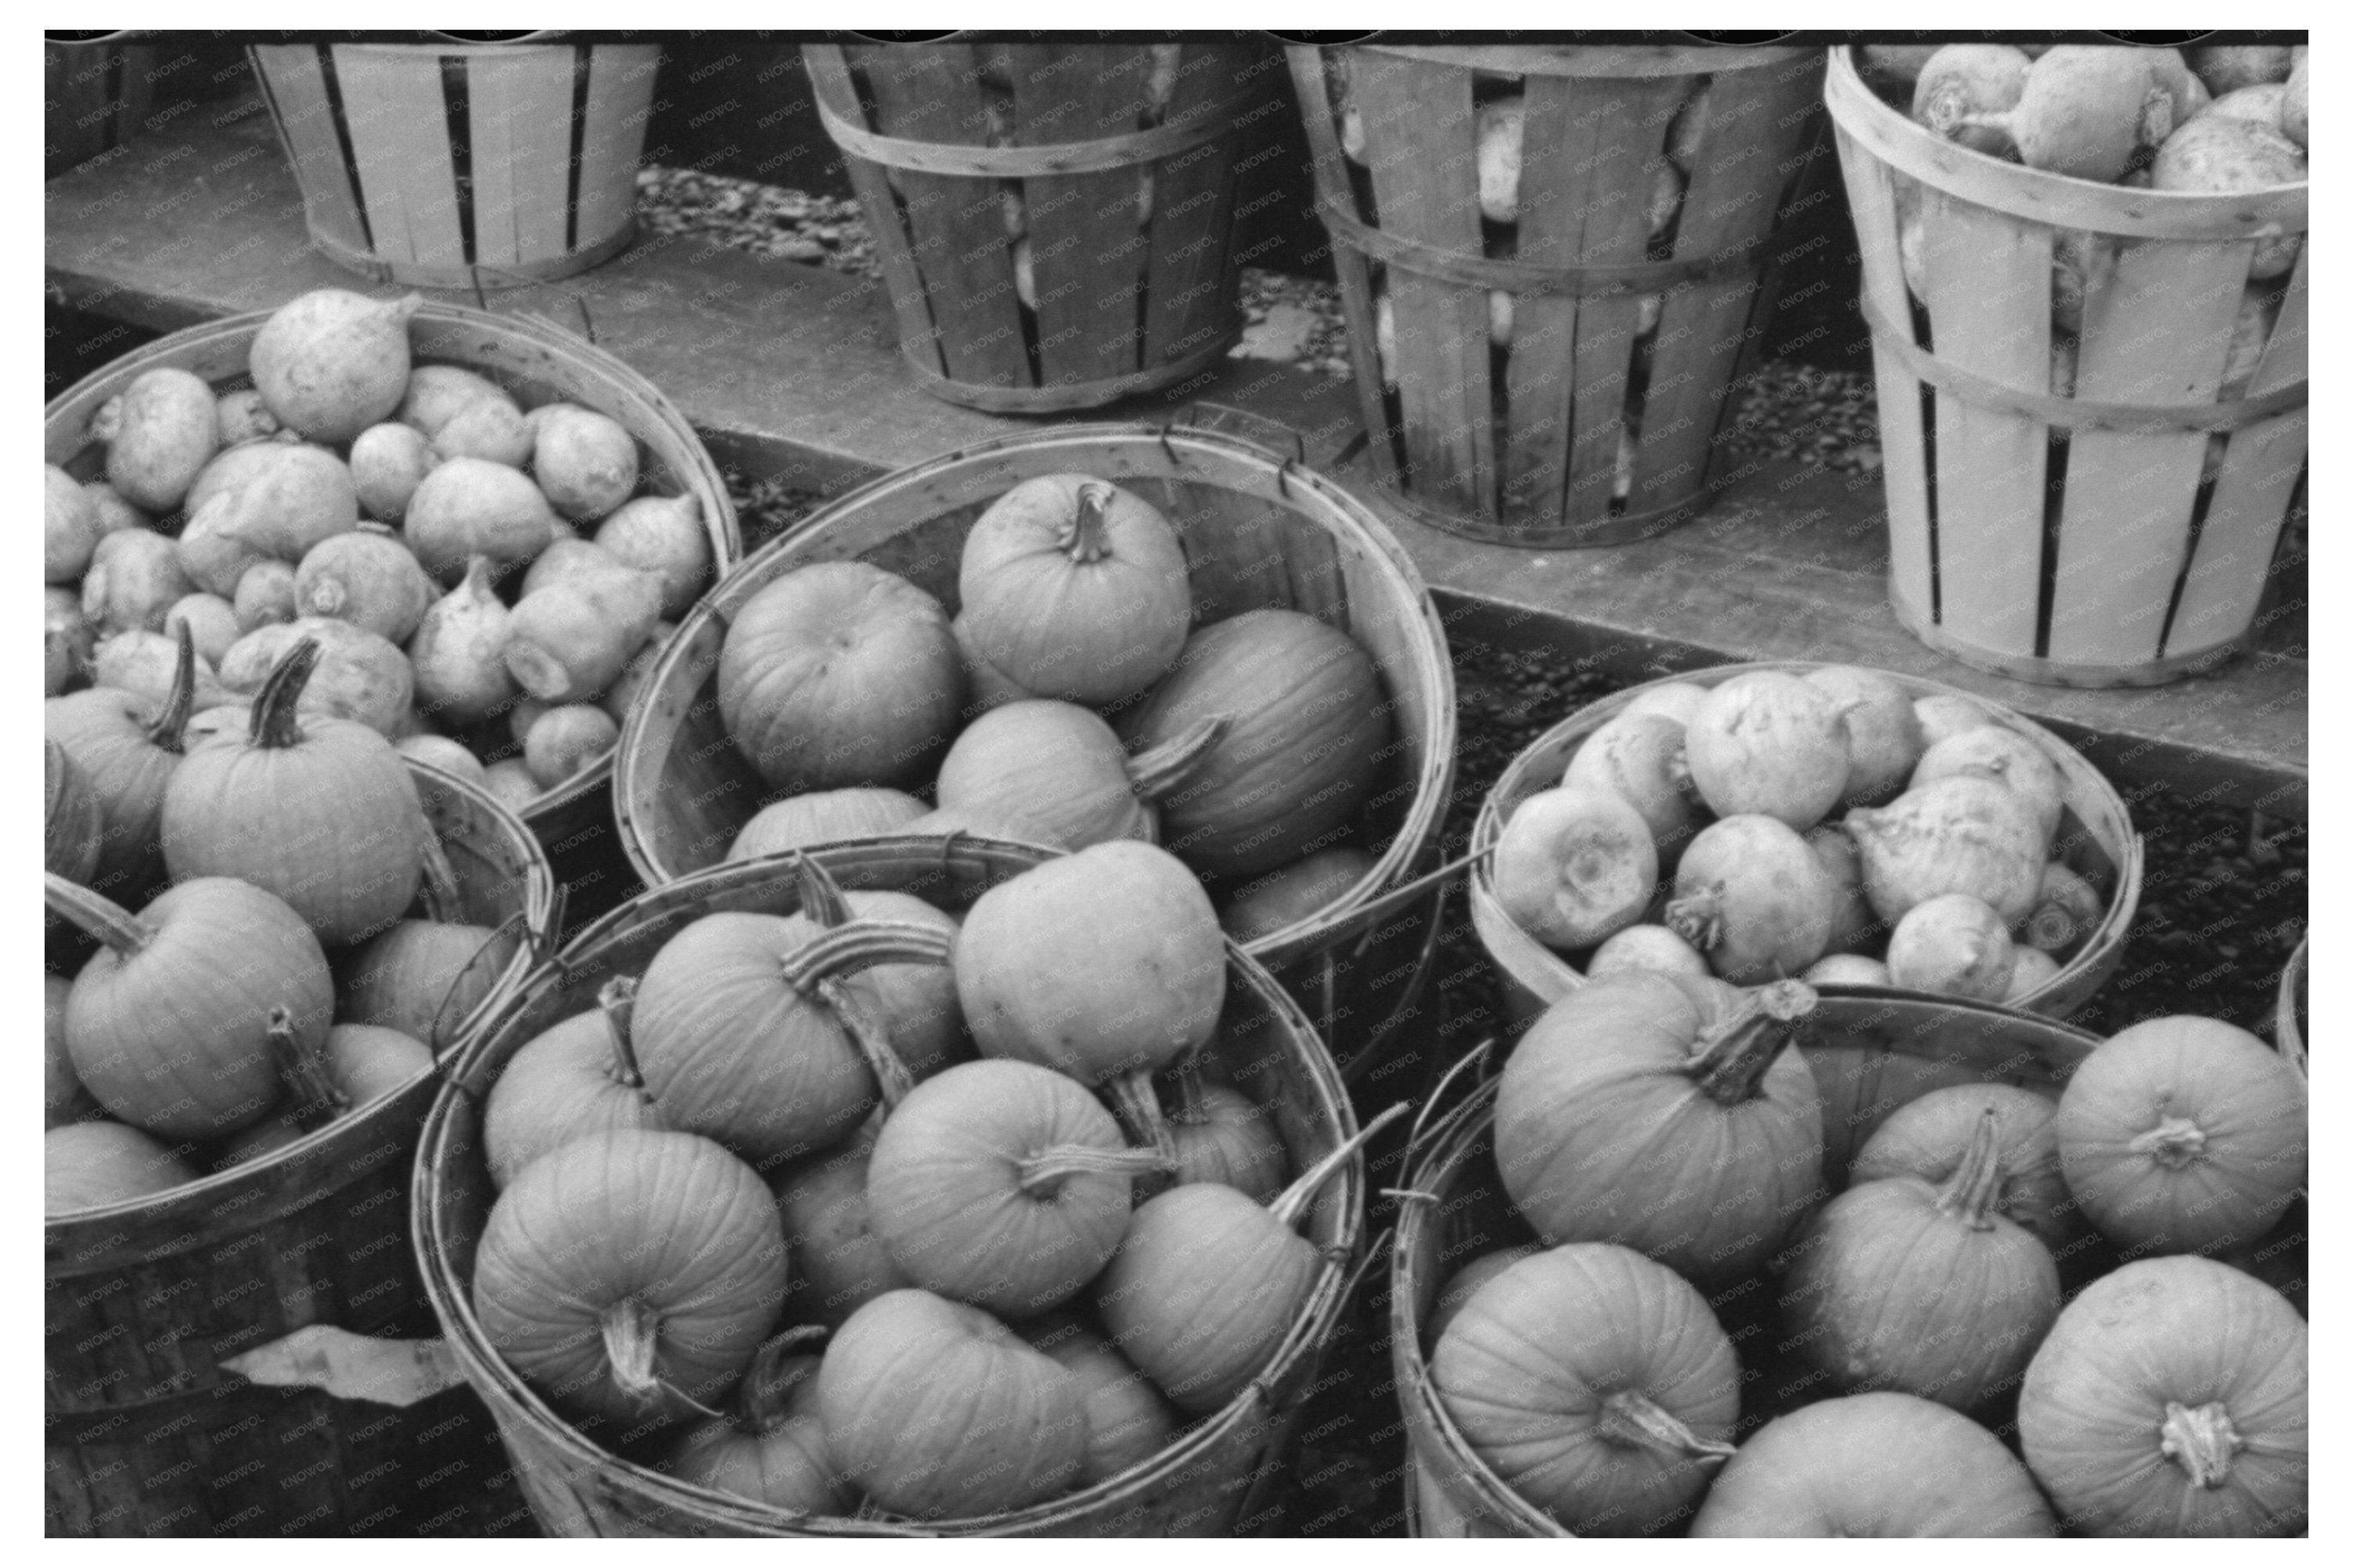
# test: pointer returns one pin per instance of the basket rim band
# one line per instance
(1527, 278)
(1107, 152)
(1064, 397)
(2123, 418)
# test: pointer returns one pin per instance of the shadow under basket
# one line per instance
(1551, 366)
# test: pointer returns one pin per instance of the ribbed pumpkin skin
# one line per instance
(2185, 1331)
(416, 975)
(787, 1465)
(1053, 766)
(1307, 721)
(1526, 1364)
(63, 1100)
(1928, 1138)
(916, 1003)
(838, 1263)
(1127, 1419)
(1234, 1141)
(330, 824)
(1885, 1465)
(105, 733)
(90, 1164)
(824, 818)
(840, 673)
(1600, 1135)
(564, 1083)
(939, 1411)
(73, 830)
(671, 1220)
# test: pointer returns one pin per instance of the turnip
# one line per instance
(368, 578)
(66, 640)
(585, 461)
(160, 432)
(1954, 945)
(2067, 909)
(2084, 111)
(490, 428)
(242, 416)
(277, 498)
(2261, 103)
(1898, 63)
(388, 462)
(2218, 154)
(569, 641)
(2009, 759)
(565, 558)
(622, 695)
(1962, 80)
(2031, 969)
(1851, 922)
(69, 528)
(1649, 947)
(331, 362)
(1883, 732)
(211, 622)
(134, 579)
(1964, 833)
(2225, 68)
(1502, 127)
(1638, 757)
(663, 535)
(1846, 969)
(265, 595)
(1947, 714)
(566, 740)
(469, 506)
(1768, 743)
(146, 663)
(1575, 865)
(441, 752)
(459, 652)
(436, 394)
(511, 783)
(1753, 898)
(113, 511)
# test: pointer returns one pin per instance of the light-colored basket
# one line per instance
(463, 166)
(2105, 525)
(1598, 423)
(147, 1433)
(532, 359)
(1201, 1484)
(1258, 531)
(1129, 210)
(2095, 838)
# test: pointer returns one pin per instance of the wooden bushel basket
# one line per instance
(147, 1432)
(1559, 380)
(1119, 166)
(463, 166)
(1201, 1484)
(2096, 840)
(2094, 507)
(1258, 531)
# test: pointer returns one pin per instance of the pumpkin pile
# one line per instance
(869, 1207)
(297, 940)
(1662, 1141)
(412, 519)
(1690, 835)
(1070, 701)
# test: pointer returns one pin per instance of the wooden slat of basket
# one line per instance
(291, 78)
(830, 79)
(2125, 525)
(1084, 245)
(926, 92)
(1872, 198)
(400, 140)
(1989, 307)
(1190, 289)
(1557, 172)
(2259, 470)
(620, 91)
(503, 169)
(1441, 327)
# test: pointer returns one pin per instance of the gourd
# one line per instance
(125, 750)
(330, 364)
(491, 429)
(838, 1263)
(69, 528)
(134, 579)
(360, 675)
(1575, 865)
(986, 686)
(211, 620)
(264, 595)
(2067, 909)
(1952, 945)
(459, 652)
(770, 1446)
(320, 811)
(1595, 1383)
(1075, 588)
(566, 558)
(441, 752)
(1753, 898)
(1625, 1115)
(95, 1164)
(2009, 759)
(436, 393)
(1768, 743)
(629, 1272)
(388, 462)
(1853, 924)
(1930, 1136)
(824, 816)
(1646, 947)
(565, 742)
(1056, 769)
(146, 664)
(1127, 1419)
(422, 977)
(1284, 897)
(571, 1079)
(270, 501)
(241, 417)
(1962, 80)
(1846, 969)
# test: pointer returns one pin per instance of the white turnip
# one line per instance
(1770, 744)
(1753, 898)
(1638, 757)
(1883, 732)
(1964, 833)
(1574, 866)
(331, 362)
(1651, 947)
(1954, 945)
(1962, 80)
(2009, 759)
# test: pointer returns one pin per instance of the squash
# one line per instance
(125, 750)
(1596, 1383)
(1930, 1136)
(1887, 1465)
(573, 1078)
(96, 1165)
(2170, 1399)
(838, 1263)
(770, 1446)
(1307, 724)
(1076, 589)
(1056, 769)
(1961, 834)
(1626, 1115)
(1769, 744)
(629, 1272)
(840, 673)
(824, 816)
(1127, 1419)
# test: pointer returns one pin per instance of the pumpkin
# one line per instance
(320, 811)
(63, 1098)
(1887, 1465)
(168, 1024)
(125, 749)
(1220, 1135)
(2170, 1399)
(73, 834)
(824, 816)
(575, 1078)
(355, 1067)
(2183, 1134)
(986, 686)
(630, 1271)
(1595, 1384)
(1930, 1136)
(840, 673)
(1307, 724)
(422, 977)
(1921, 1287)
(1058, 769)
(1075, 588)
(839, 1264)
(1127, 1419)
(93, 1164)
(1464, 1283)
(1626, 1115)
(771, 1447)
(1284, 897)
(938, 1411)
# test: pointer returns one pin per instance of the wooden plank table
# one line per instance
(792, 371)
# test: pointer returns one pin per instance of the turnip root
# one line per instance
(1883, 734)
(265, 595)
(388, 462)
(490, 428)
(566, 558)
(1846, 969)
(585, 461)
(459, 652)
(2030, 969)
(2003, 754)
(1502, 126)
(2225, 68)
(242, 416)
(1962, 833)
(1677, 700)
(1945, 714)
(2296, 103)
(441, 752)
(1768, 743)
(134, 579)
(469, 507)
(663, 535)
(1650, 947)
(569, 641)
(69, 528)
(332, 362)
(1963, 80)
(1953, 945)
(511, 783)
(2067, 909)
(566, 740)
(2085, 111)
(1575, 866)
(1638, 757)
(211, 621)
(1851, 922)
(824, 816)
(113, 511)
(2213, 154)
(436, 393)
(368, 578)
(1754, 899)
(160, 432)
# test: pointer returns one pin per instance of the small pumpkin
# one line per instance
(95, 1164)
(1930, 1136)
(770, 1446)
(838, 1263)
(126, 748)
(73, 834)
(824, 816)
(1464, 1283)
(1056, 769)
(1282, 898)
(1127, 1419)
(423, 977)
(63, 1098)
(1220, 1135)
(573, 1078)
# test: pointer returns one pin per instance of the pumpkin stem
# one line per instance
(1294, 1198)
(101, 916)
(273, 706)
(1167, 767)
(1698, 918)
(1735, 1055)
(2050, 927)
(864, 944)
(632, 1333)
(2174, 1142)
(1138, 1104)
(780, 1366)
(317, 1098)
(1969, 1192)
(2201, 1441)
(1192, 1094)
(444, 902)
(1083, 539)
(171, 725)
(1633, 1420)
(1043, 1174)
(872, 1040)
(821, 898)
(617, 1000)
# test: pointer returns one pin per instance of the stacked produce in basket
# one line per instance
(411, 518)
(969, 1290)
